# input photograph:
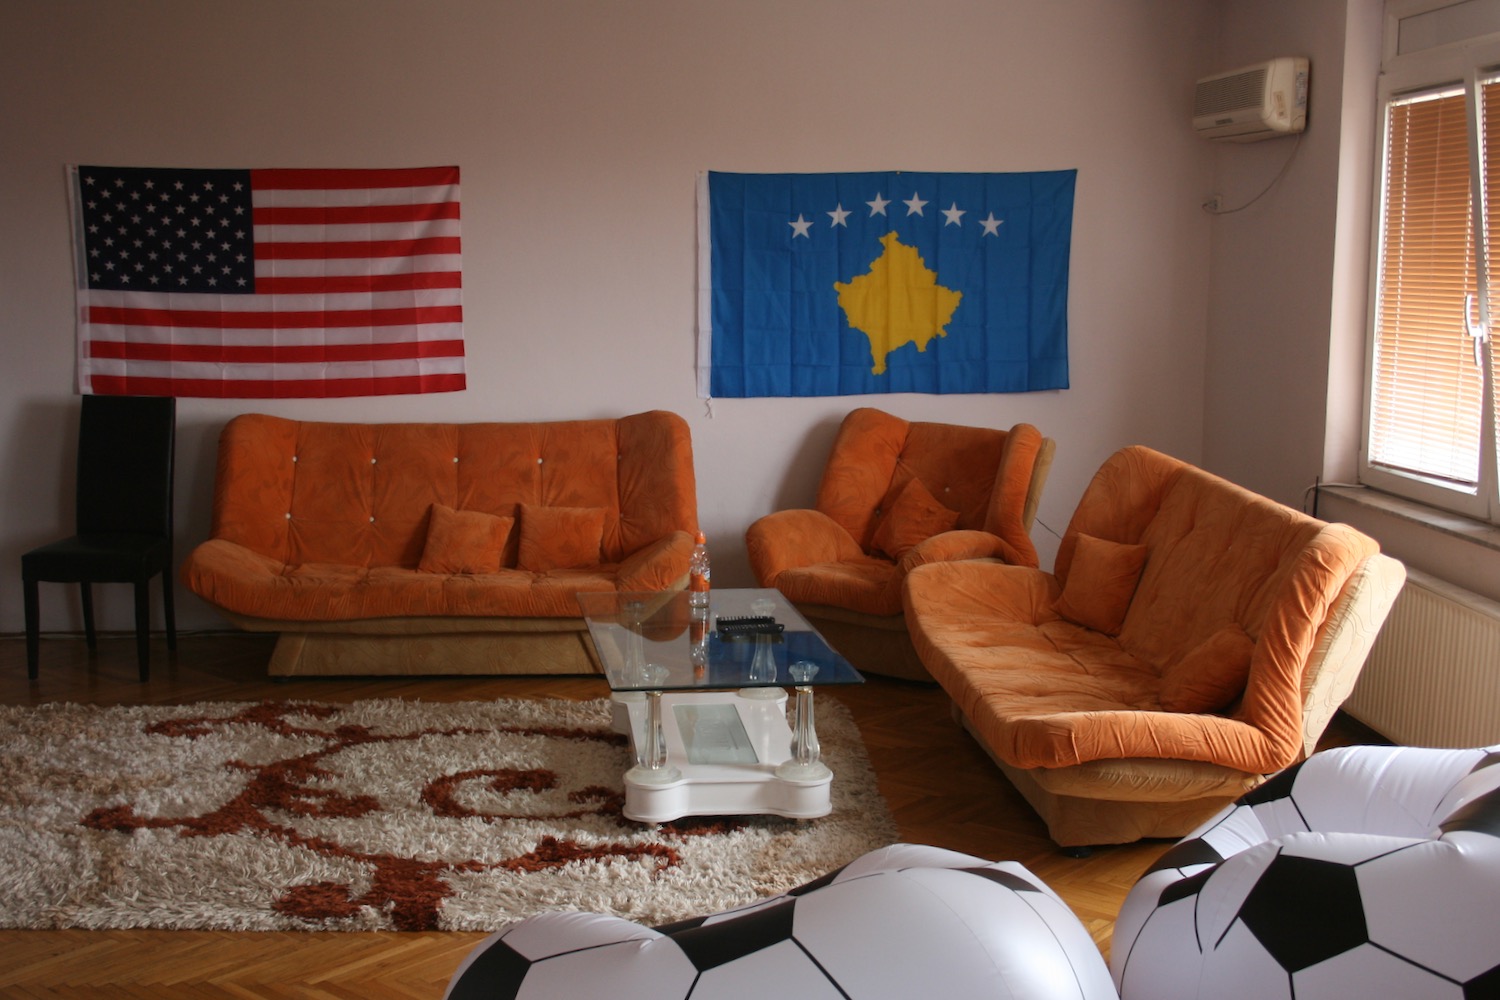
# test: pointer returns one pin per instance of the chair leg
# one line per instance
(87, 594)
(33, 628)
(167, 610)
(143, 627)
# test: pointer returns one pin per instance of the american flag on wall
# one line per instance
(268, 283)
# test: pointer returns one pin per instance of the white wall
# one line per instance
(1273, 262)
(580, 128)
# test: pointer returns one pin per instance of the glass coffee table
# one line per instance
(701, 692)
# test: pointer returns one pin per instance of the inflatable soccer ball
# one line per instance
(901, 922)
(1363, 872)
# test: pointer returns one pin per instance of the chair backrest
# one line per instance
(992, 478)
(126, 447)
(302, 491)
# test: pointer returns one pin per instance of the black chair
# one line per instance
(123, 519)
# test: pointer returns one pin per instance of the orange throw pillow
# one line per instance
(915, 517)
(464, 541)
(1101, 583)
(560, 537)
(1212, 674)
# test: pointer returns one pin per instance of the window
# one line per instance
(1431, 405)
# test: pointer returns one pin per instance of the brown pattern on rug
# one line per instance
(377, 814)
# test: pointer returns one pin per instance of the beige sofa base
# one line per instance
(1122, 801)
(875, 644)
(383, 647)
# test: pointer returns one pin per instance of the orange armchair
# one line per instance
(897, 494)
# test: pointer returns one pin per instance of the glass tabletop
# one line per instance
(656, 641)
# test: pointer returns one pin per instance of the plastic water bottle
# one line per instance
(698, 573)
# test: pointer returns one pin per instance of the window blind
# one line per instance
(1490, 142)
(1427, 392)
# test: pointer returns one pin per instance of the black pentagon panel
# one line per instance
(1013, 882)
(1185, 887)
(1187, 854)
(677, 926)
(1485, 986)
(1277, 786)
(1304, 911)
(712, 945)
(1482, 815)
(495, 974)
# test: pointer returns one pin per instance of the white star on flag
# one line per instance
(877, 207)
(800, 227)
(991, 225)
(838, 215)
(955, 215)
(914, 204)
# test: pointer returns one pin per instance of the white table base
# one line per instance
(740, 769)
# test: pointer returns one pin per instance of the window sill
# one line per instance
(1454, 525)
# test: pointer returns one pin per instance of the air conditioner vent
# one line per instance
(1242, 90)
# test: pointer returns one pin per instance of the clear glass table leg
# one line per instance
(651, 767)
(805, 749)
(805, 763)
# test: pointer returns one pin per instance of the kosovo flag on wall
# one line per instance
(845, 284)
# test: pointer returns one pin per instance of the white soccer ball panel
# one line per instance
(898, 856)
(865, 932)
(1157, 956)
(1239, 828)
(1367, 971)
(1437, 904)
(783, 969)
(986, 938)
(630, 970)
(548, 934)
(1395, 791)
(1031, 936)
(1347, 849)
(1241, 969)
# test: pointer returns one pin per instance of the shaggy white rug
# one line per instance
(381, 814)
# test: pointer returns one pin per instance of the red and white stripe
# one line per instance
(358, 292)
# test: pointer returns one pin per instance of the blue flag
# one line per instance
(845, 284)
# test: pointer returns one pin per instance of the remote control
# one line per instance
(747, 625)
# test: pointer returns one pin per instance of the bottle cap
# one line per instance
(700, 539)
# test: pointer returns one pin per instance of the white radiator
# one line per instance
(1433, 675)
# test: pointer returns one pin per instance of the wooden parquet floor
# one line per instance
(942, 789)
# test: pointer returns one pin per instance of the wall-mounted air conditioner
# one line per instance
(1257, 102)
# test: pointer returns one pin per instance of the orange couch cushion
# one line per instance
(1101, 584)
(464, 541)
(560, 537)
(915, 516)
(1212, 674)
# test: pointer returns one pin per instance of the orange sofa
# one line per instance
(1193, 638)
(441, 548)
(896, 494)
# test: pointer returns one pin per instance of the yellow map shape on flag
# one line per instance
(897, 302)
